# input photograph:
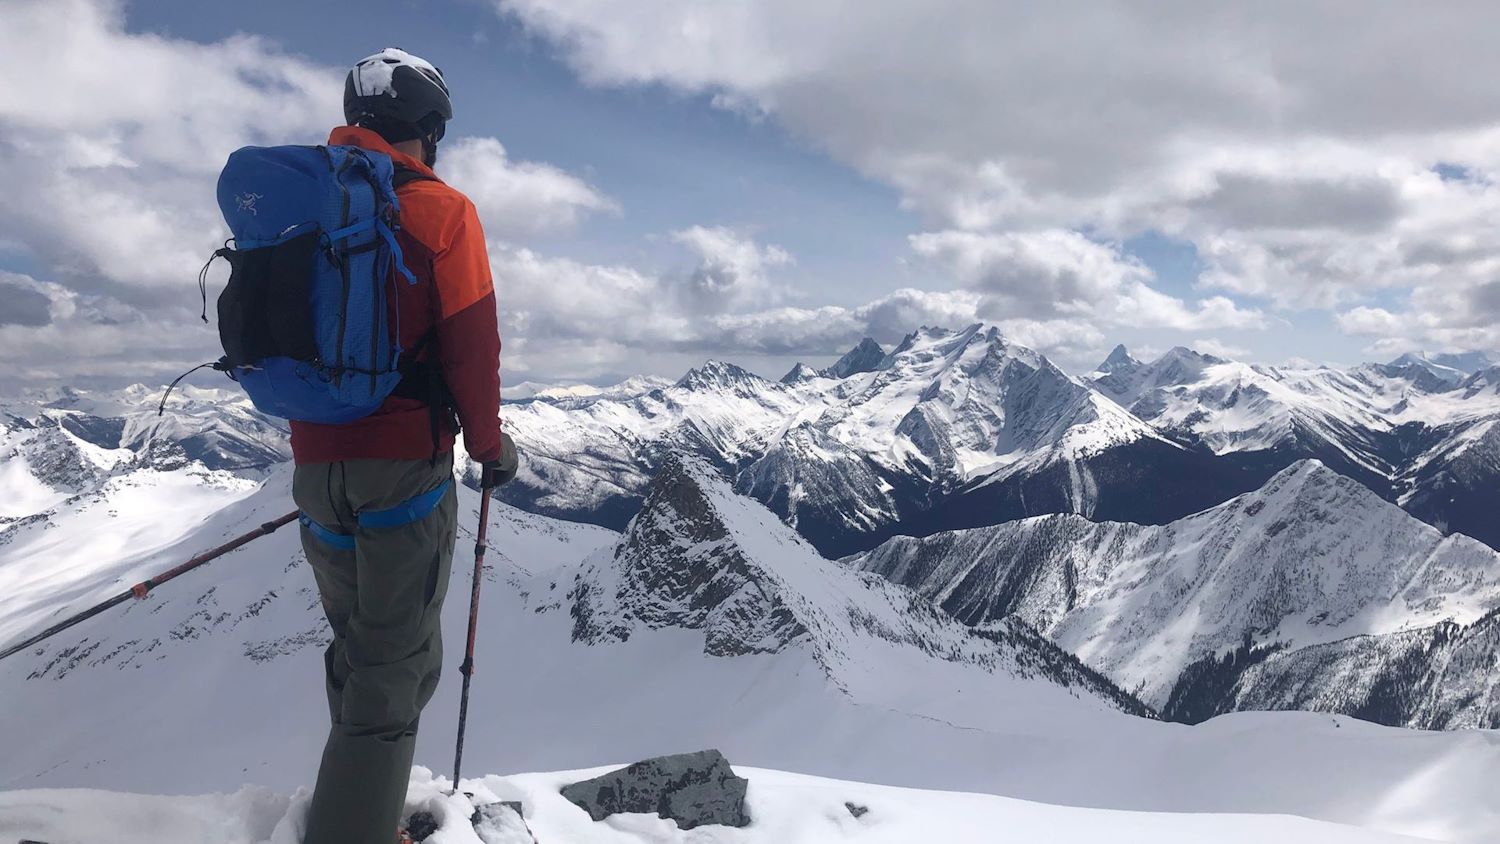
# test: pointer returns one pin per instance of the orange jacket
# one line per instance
(454, 298)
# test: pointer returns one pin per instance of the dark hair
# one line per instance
(394, 131)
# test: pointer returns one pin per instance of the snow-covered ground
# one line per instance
(785, 809)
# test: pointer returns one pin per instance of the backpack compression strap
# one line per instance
(423, 379)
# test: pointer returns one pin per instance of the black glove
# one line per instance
(498, 473)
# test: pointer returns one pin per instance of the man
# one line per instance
(382, 587)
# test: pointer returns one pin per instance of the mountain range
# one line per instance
(1189, 537)
(1420, 431)
(708, 621)
(1310, 559)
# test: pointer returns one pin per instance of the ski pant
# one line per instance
(383, 598)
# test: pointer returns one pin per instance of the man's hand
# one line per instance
(498, 473)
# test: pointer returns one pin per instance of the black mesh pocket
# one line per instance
(266, 308)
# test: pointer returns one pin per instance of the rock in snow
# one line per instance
(692, 789)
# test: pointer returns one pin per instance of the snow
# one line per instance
(24, 492)
(1234, 406)
(1312, 557)
(963, 404)
(784, 808)
(215, 682)
(627, 389)
(92, 546)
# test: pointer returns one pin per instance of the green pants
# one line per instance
(383, 599)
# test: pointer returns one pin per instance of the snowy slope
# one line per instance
(700, 557)
(215, 681)
(785, 809)
(1311, 557)
(1440, 677)
(1452, 477)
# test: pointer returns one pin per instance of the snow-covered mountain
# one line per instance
(700, 557)
(1440, 677)
(867, 356)
(597, 647)
(627, 389)
(704, 582)
(55, 444)
(1450, 369)
(1341, 417)
(950, 429)
(1310, 558)
(1416, 430)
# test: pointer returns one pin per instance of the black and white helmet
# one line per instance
(394, 88)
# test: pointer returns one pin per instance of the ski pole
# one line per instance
(467, 669)
(142, 589)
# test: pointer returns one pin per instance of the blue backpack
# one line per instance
(305, 317)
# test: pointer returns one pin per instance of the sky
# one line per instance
(667, 181)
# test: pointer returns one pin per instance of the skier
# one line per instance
(382, 581)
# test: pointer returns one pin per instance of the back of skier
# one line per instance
(377, 494)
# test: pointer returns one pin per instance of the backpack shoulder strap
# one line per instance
(405, 175)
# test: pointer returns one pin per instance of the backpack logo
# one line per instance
(246, 202)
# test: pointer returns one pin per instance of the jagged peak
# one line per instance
(867, 356)
(931, 333)
(1183, 353)
(1466, 363)
(717, 373)
(683, 562)
(1118, 359)
(945, 341)
(1307, 483)
(800, 372)
(1483, 381)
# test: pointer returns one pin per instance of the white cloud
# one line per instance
(76, 336)
(732, 270)
(116, 139)
(1238, 128)
(118, 142)
(1370, 321)
(1053, 274)
(576, 320)
(518, 198)
(1219, 348)
(110, 148)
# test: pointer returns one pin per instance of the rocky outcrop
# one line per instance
(693, 789)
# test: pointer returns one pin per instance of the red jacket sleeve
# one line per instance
(468, 332)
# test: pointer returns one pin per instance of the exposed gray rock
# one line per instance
(856, 810)
(693, 789)
(421, 826)
(866, 357)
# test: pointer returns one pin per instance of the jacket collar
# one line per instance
(366, 139)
